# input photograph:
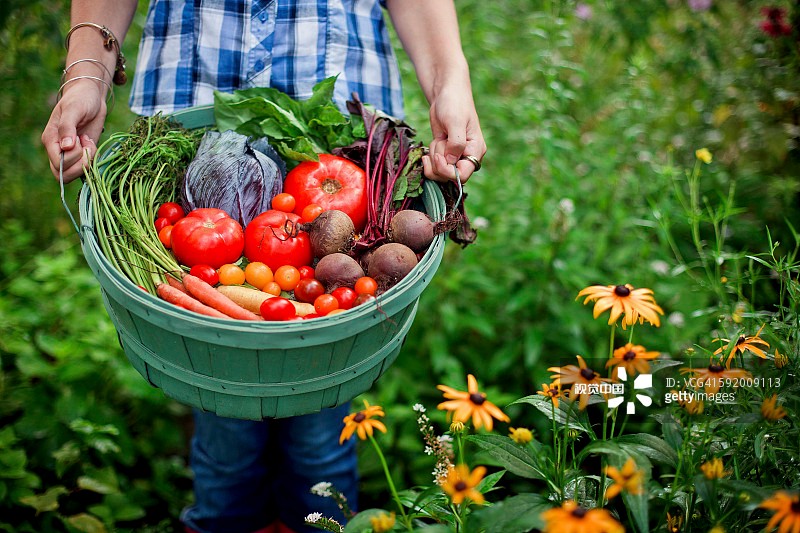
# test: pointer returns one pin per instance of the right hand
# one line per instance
(74, 127)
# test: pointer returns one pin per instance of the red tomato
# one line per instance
(332, 183)
(171, 211)
(345, 296)
(306, 271)
(310, 212)
(161, 223)
(308, 289)
(362, 299)
(207, 236)
(325, 303)
(277, 309)
(366, 285)
(205, 272)
(283, 202)
(165, 236)
(266, 240)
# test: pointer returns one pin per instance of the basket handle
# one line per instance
(63, 201)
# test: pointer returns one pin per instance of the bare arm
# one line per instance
(428, 31)
(77, 119)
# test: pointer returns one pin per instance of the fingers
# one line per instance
(75, 160)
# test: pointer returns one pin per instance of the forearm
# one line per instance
(428, 31)
(87, 42)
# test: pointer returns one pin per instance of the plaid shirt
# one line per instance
(189, 48)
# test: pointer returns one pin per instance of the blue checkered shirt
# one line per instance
(190, 48)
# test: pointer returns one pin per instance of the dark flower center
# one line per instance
(741, 340)
(795, 507)
(460, 486)
(715, 368)
(579, 512)
(477, 398)
(360, 417)
(622, 291)
(630, 355)
(587, 374)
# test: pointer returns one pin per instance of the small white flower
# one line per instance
(480, 223)
(676, 319)
(322, 489)
(567, 206)
(418, 407)
(313, 518)
(660, 267)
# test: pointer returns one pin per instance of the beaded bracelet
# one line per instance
(110, 42)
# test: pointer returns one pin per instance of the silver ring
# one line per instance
(474, 160)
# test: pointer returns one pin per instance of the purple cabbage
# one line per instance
(233, 173)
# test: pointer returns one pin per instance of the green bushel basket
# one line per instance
(257, 370)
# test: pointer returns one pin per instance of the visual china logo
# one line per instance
(642, 382)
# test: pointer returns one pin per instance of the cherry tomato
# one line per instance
(231, 274)
(171, 211)
(272, 288)
(308, 289)
(207, 236)
(362, 299)
(165, 236)
(205, 272)
(277, 309)
(161, 222)
(287, 277)
(283, 202)
(306, 272)
(311, 315)
(366, 285)
(333, 183)
(266, 240)
(310, 212)
(345, 296)
(325, 303)
(257, 274)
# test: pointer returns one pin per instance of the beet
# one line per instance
(390, 263)
(412, 228)
(338, 270)
(332, 231)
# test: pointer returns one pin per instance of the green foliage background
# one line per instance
(587, 122)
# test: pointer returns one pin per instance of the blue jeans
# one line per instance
(249, 473)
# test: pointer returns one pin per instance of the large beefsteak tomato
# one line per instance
(207, 236)
(266, 240)
(332, 183)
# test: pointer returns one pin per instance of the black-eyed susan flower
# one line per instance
(583, 379)
(552, 391)
(770, 410)
(628, 479)
(633, 358)
(702, 154)
(714, 469)
(362, 422)
(382, 522)
(781, 360)
(787, 511)
(520, 435)
(674, 523)
(572, 518)
(744, 344)
(460, 484)
(471, 404)
(637, 305)
(715, 376)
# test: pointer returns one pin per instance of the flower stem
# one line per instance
(389, 480)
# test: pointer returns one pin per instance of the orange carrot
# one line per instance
(213, 298)
(174, 296)
(253, 298)
(176, 283)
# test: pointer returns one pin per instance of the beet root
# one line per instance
(331, 232)
(338, 270)
(390, 263)
(412, 228)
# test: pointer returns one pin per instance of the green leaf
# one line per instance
(321, 94)
(86, 523)
(102, 481)
(566, 410)
(509, 455)
(66, 456)
(12, 464)
(489, 482)
(47, 501)
(361, 521)
(653, 447)
(707, 490)
(520, 513)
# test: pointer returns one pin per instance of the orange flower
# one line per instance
(636, 304)
(471, 404)
(714, 469)
(552, 391)
(580, 377)
(745, 344)
(674, 523)
(770, 410)
(633, 359)
(461, 483)
(572, 518)
(362, 422)
(628, 479)
(787, 511)
(714, 377)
